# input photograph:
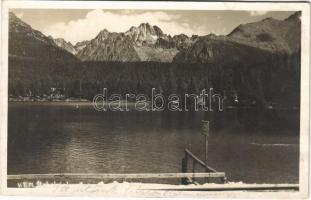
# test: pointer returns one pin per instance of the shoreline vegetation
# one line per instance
(89, 102)
(45, 99)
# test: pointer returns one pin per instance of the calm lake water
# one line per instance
(56, 137)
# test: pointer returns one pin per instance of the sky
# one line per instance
(77, 25)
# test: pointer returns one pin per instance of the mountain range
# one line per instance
(149, 43)
(142, 43)
(258, 62)
(26, 42)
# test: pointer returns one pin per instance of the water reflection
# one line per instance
(54, 138)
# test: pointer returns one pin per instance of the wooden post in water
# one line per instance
(184, 168)
(205, 132)
(206, 151)
(193, 171)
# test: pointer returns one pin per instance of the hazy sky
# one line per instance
(78, 25)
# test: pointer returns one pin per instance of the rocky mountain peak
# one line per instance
(180, 36)
(270, 34)
(103, 34)
(144, 34)
(63, 41)
(149, 29)
(65, 45)
(18, 27)
(158, 31)
(145, 25)
(81, 45)
(24, 41)
(14, 20)
(294, 17)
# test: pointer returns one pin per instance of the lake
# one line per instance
(59, 137)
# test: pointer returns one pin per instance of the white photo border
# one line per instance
(304, 7)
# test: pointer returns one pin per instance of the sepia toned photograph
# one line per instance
(152, 101)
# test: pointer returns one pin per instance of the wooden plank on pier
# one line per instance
(113, 176)
(199, 161)
(231, 187)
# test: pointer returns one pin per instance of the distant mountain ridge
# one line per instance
(26, 42)
(142, 43)
(270, 35)
(149, 43)
(108, 46)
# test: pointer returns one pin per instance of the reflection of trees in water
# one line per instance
(181, 120)
(249, 119)
(254, 119)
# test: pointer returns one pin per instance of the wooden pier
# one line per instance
(29, 180)
(195, 161)
(71, 176)
(186, 177)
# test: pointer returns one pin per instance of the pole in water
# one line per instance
(205, 132)
(206, 149)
